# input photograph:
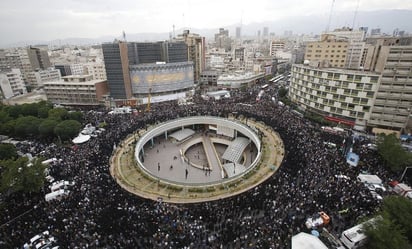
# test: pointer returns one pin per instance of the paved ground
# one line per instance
(199, 185)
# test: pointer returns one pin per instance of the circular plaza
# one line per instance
(197, 159)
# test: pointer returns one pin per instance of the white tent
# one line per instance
(81, 139)
(307, 241)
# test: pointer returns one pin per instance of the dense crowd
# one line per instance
(100, 214)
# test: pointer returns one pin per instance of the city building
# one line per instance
(70, 69)
(140, 71)
(37, 78)
(38, 57)
(238, 33)
(238, 80)
(77, 90)
(393, 101)
(342, 96)
(196, 52)
(12, 83)
(330, 51)
(222, 39)
(96, 69)
(276, 46)
(265, 32)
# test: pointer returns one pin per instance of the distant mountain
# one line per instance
(386, 20)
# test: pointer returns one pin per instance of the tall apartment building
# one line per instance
(133, 70)
(196, 50)
(39, 58)
(12, 84)
(238, 33)
(393, 103)
(330, 51)
(276, 46)
(222, 39)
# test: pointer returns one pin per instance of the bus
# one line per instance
(264, 87)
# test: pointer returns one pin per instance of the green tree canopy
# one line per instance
(385, 234)
(14, 111)
(29, 109)
(46, 128)
(282, 92)
(58, 113)
(394, 230)
(78, 116)
(7, 151)
(21, 176)
(67, 129)
(8, 128)
(27, 126)
(394, 155)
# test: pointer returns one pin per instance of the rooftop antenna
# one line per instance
(174, 34)
(330, 15)
(124, 36)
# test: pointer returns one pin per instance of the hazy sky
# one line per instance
(22, 20)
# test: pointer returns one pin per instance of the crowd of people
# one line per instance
(100, 214)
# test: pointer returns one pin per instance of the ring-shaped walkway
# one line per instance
(129, 173)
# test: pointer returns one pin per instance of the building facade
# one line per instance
(238, 80)
(37, 78)
(39, 58)
(330, 51)
(393, 102)
(96, 69)
(125, 64)
(76, 90)
(196, 50)
(12, 83)
(344, 96)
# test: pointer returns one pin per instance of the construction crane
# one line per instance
(330, 15)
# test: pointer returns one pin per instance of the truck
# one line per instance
(355, 237)
(401, 189)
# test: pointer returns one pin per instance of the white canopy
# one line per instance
(81, 139)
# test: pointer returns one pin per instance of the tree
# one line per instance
(29, 109)
(67, 129)
(14, 111)
(392, 152)
(394, 230)
(399, 209)
(46, 128)
(4, 117)
(75, 116)
(27, 126)
(282, 92)
(384, 234)
(58, 114)
(7, 151)
(21, 175)
(8, 128)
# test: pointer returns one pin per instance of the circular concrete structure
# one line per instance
(197, 159)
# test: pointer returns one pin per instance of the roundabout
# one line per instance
(197, 159)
